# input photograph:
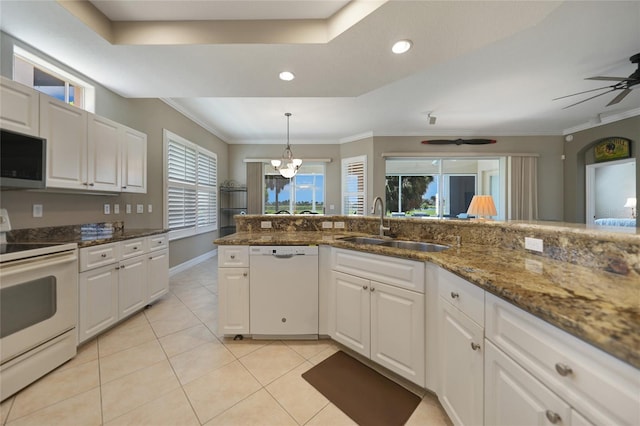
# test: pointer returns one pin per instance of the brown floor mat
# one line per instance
(360, 392)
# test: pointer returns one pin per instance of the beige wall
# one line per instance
(150, 116)
(579, 153)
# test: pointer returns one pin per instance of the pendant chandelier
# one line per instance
(287, 166)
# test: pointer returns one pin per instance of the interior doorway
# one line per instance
(608, 186)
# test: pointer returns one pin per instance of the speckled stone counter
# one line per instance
(582, 296)
(85, 235)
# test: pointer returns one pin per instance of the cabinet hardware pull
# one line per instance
(124, 187)
(91, 184)
(373, 289)
(475, 346)
(563, 369)
(454, 295)
(553, 417)
(233, 256)
(364, 287)
(103, 255)
(135, 247)
(117, 267)
(244, 274)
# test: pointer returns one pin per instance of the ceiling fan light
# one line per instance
(297, 162)
(401, 46)
(276, 163)
(287, 166)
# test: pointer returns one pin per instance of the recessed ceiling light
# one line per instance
(286, 76)
(401, 46)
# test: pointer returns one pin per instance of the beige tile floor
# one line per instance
(166, 366)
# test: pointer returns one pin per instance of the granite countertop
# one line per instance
(601, 308)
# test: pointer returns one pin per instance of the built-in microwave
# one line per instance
(23, 160)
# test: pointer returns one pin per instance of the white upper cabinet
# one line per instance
(104, 154)
(134, 161)
(65, 128)
(19, 107)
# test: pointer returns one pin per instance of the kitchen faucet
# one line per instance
(373, 211)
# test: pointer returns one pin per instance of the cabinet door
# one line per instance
(65, 128)
(397, 330)
(104, 154)
(134, 161)
(349, 317)
(132, 293)
(157, 274)
(514, 397)
(19, 106)
(461, 365)
(98, 296)
(233, 301)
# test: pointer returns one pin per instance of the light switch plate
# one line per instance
(107, 209)
(37, 210)
(327, 225)
(139, 208)
(533, 244)
(116, 209)
(128, 208)
(149, 208)
(338, 225)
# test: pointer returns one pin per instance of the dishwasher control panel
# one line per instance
(283, 251)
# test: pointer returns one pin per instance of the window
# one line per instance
(303, 193)
(191, 187)
(442, 187)
(35, 72)
(354, 190)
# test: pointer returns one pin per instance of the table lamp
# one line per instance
(631, 202)
(482, 205)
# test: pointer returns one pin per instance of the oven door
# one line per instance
(38, 301)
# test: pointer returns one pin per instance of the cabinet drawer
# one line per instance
(403, 273)
(462, 294)
(157, 242)
(101, 255)
(233, 256)
(131, 248)
(602, 388)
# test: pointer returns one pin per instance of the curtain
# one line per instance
(523, 188)
(254, 188)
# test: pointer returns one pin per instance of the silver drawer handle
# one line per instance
(454, 295)
(563, 369)
(475, 346)
(553, 417)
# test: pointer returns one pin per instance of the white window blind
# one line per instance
(191, 187)
(354, 191)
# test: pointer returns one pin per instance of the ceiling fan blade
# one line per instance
(588, 99)
(607, 78)
(580, 93)
(459, 141)
(620, 97)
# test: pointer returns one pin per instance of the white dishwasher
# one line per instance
(283, 292)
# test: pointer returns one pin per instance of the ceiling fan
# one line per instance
(459, 142)
(624, 84)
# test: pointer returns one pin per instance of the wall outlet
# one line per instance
(338, 225)
(107, 209)
(534, 244)
(128, 208)
(265, 224)
(37, 210)
(116, 209)
(332, 207)
(139, 208)
(149, 208)
(327, 225)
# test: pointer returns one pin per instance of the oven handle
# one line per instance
(30, 264)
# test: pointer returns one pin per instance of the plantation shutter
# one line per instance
(354, 171)
(191, 185)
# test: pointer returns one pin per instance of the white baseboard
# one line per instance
(192, 262)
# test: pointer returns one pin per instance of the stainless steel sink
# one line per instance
(415, 245)
(407, 245)
(363, 240)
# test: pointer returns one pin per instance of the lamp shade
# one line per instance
(482, 205)
(631, 202)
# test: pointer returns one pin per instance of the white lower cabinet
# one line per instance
(132, 285)
(233, 290)
(233, 301)
(461, 352)
(118, 279)
(157, 276)
(379, 321)
(98, 299)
